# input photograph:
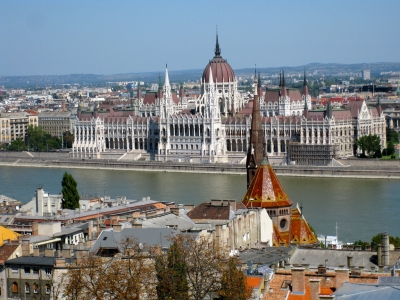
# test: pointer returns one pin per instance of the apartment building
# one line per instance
(55, 123)
(15, 125)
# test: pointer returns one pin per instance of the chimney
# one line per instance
(326, 297)
(117, 227)
(60, 263)
(49, 252)
(66, 253)
(80, 254)
(90, 230)
(26, 248)
(385, 249)
(175, 210)
(233, 204)
(379, 254)
(63, 106)
(36, 252)
(137, 225)
(315, 288)
(298, 281)
(341, 276)
(349, 262)
(35, 228)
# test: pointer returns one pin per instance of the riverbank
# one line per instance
(352, 168)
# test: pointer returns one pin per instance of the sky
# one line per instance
(115, 37)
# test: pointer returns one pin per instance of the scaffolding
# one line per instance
(311, 155)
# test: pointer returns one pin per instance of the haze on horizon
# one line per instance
(106, 37)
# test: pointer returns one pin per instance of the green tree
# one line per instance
(171, 274)
(369, 144)
(68, 139)
(70, 192)
(16, 145)
(233, 283)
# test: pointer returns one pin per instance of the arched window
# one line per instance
(15, 287)
(27, 288)
(35, 288)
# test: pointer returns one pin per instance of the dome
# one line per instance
(221, 70)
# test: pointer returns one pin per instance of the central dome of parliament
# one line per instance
(221, 70)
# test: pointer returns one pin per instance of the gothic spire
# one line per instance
(255, 149)
(166, 76)
(217, 48)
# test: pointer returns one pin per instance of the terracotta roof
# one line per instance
(7, 250)
(277, 238)
(300, 232)
(265, 190)
(254, 281)
(206, 211)
(354, 107)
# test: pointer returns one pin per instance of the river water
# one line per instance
(361, 207)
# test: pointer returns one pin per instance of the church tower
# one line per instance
(284, 100)
(256, 148)
(166, 100)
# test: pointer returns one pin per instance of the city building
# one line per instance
(161, 126)
(366, 74)
(56, 123)
(15, 125)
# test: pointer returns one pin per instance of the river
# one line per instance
(361, 207)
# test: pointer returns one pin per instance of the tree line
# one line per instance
(190, 269)
(38, 140)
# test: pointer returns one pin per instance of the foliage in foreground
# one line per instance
(370, 145)
(189, 269)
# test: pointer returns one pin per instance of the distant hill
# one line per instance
(186, 75)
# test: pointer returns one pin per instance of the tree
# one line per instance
(233, 283)
(129, 275)
(171, 274)
(369, 144)
(70, 192)
(16, 145)
(68, 139)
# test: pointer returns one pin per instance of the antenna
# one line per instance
(337, 239)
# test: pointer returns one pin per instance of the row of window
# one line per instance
(28, 288)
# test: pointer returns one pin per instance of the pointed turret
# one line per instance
(255, 149)
(328, 112)
(280, 78)
(217, 48)
(166, 76)
(305, 87)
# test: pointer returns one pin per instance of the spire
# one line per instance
(210, 78)
(256, 146)
(217, 48)
(329, 109)
(280, 78)
(259, 80)
(166, 76)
